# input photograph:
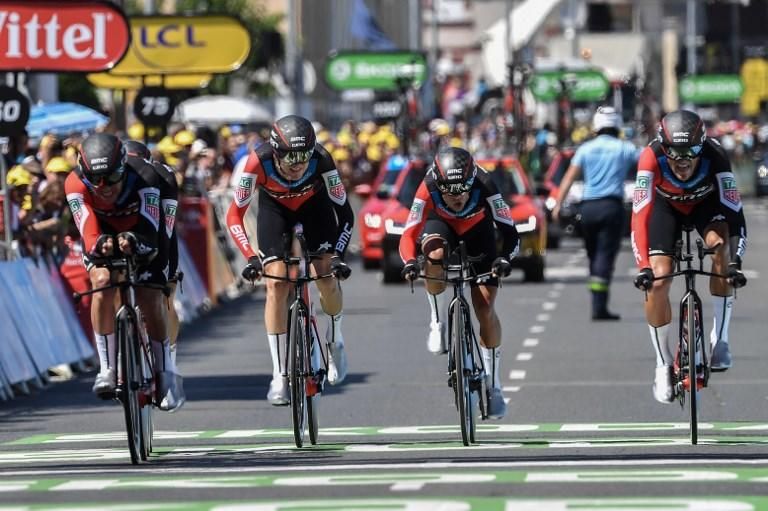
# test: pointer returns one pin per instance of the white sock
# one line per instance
(492, 362)
(334, 329)
(277, 346)
(437, 307)
(163, 359)
(722, 307)
(107, 349)
(660, 343)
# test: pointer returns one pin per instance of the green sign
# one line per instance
(582, 85)
(711, 89)
(377, 71)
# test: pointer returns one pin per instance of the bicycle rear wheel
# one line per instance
(296, 371)
(462, 381)
(147, 390)
(130, 360)
(312, 370)
(693, 386)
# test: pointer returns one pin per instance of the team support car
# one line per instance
(570, 216)
(370, 223)
(512, 182)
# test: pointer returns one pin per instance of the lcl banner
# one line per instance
(71, 36)
(166, 45)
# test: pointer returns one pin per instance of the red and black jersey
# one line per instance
(260, 173)
(137, 208)
(485, 204)
(656, 181)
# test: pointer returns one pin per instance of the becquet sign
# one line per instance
(79, 36)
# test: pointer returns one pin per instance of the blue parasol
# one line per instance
(63, 119)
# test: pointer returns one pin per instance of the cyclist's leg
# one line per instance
(433, 240)
(603, 221)
(103, 320)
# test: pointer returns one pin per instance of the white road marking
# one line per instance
(523, 356)
(542, 317)
(558, 286)
(517, 374)
(511, 388)
(549, 306)
(553, 294)
(537, 329)
(530, 342)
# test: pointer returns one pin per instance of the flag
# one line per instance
(363, 27)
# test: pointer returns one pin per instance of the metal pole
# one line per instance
(690, 36)
(509, 48)
(433, 51)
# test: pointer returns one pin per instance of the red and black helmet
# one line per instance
(136, 148)
(292, 139)
(102, 159)
(682, 134)
(453, 170)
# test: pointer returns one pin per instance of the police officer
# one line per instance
(604, 162)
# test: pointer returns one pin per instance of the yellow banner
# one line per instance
(166, 45)
(110, 81)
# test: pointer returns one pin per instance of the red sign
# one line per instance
(79, 36)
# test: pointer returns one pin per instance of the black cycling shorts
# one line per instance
(479, 240)
(274, 220)
(665, 226)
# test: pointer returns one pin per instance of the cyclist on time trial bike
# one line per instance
(169, 195)
(298, 183)
(116, 206)
(458, 201)
(684, 177)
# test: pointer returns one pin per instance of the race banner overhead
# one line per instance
(166, 45)
(110, 81)
(72, 36)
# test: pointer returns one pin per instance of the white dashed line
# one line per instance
(517, 374)
(537, 329)
(549, 306)
(524, 356)
(559, 286)
(553, 294)
(530, 342)
(542, 317)
(511, 388)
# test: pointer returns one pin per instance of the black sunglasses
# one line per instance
(105, 179)
(682, 153)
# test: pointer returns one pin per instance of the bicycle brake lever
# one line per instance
(410, 281)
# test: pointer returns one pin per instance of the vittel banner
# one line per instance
(73, 36)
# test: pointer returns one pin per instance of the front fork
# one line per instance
(681, 359)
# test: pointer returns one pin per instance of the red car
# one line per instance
(369, 221)
(513, 184)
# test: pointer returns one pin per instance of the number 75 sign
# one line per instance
(154, 106)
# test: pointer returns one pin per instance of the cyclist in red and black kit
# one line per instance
(684, 177)
(169, 201)
(115, 203)
(458, 201)
(298, 183)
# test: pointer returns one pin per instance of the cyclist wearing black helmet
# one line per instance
(297, 182)
(115, 203)
(684, 177)
(458, 201)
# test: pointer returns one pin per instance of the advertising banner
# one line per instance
(165, 45)
(583, 85)
(374, 70)
(711, 88)
(72, 36)
(110, 81)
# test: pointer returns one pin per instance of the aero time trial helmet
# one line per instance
(292, 139)
(453, 170)
(136, 148)
(102, 159)
(681, 134)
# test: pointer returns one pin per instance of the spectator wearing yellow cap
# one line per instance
(56, 169)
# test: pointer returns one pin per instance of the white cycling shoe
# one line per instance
(497, 408)
(337, 363)
(662, 385)
(436, 338)
(278, 392)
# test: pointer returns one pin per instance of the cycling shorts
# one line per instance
(479, 240)
(274, 220)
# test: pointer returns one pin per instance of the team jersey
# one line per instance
(656, 181)
(321, 177)
(485, 203)
(137, 208)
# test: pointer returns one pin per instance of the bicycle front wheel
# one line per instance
(130, 360)
(693, 386)
(462, 372)
(297, 362)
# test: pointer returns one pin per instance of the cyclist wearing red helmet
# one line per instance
(298, 183)
(458, 201)
(684, 177)
(115, 204)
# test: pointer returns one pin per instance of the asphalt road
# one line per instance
(582, 429)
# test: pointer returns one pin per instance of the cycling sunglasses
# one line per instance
(682, 153)
(105, 179)
(454, 188)
(294, 157)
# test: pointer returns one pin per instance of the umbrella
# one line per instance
(63, 119)
(222, 110)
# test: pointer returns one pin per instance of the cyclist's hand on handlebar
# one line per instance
(127, 242)
(644, 279)
(736, 278)
(253, 270)
(410, 270)
(104, 247)
(501, 267)
(339, 268)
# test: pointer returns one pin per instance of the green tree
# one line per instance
(77, 89)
